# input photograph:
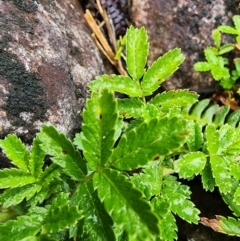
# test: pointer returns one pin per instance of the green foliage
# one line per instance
(114, 181)
(218, 65)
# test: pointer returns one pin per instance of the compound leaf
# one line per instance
(118, 83)
(97, 222)
(142, 144)
(100, 119)
(162, 68)
(136, 51)
(63, 152)
(190, 164)
(15, 151)
(125, 203)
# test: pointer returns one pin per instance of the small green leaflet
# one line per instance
(97, 222)
(142, 144)
(195, 138)
(167, 220)
(162, 68)
(15, 178)
(177, 195)
(136, 51)
(172, 98)
(16, 195)
(207, 177)
(202, 66)
(150, 180)
(221, 173)
(228, 29)
(118, 83)
(125, 203)
(63, 152)
(15, 151)
(99, 126)
(129, 108)
(21, 228)
(190, 164)
(36, 158)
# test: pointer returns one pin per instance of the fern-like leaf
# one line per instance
(125, 203)
(15, 151)
(136, 51)
(118, 83)
(141, 145)
(162, 68)
(63, 152)
(100, 119)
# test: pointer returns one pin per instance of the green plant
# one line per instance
(218, 65)
(115, 181)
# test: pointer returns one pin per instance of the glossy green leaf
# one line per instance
(136, 51)
(236, 21)
(209, 114)
(221, 173)
(63, 152)
(195, 138)
(228, 29)
(178, 196)
(49, 173)
(229, 226)
(221, 115)
(139, 146)
(125, 203)
(100, 118)
(15, 151)
(118, 83)
(237, 196)
(190, 164)
(235, 170)
(36, 158)
(217, 37)
(149, 181)
(150, 111)
(199, 108)
(171, 98)
(129, 108)
(202, 66)
(61, 217)
(161, 69)
(226, 48)
(15, 178)
(97, 222)
(16, 195)
(207, 178)
(21, 228)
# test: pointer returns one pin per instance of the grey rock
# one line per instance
(47, 57)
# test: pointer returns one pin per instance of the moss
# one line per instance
(26, 93)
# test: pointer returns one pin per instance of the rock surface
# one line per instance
(47, 57)
(185, 24)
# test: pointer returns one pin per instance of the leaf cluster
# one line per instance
(114, 181)
(216, 63)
